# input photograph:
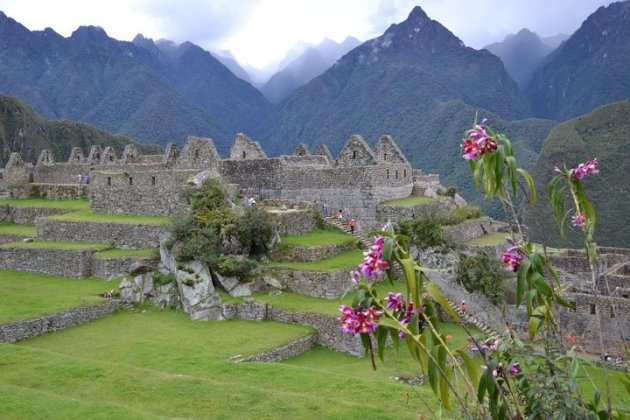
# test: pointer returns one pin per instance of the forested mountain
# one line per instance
(589, 70)
(126, 88)
(521, 54)
(309, 64)
(601, 134)
(25, 132)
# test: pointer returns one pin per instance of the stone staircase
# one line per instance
(343, 226)
(470, 319)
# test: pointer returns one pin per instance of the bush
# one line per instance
(203, 245)
(254, 230)
(483, 273)
(211, 195)
(422, 233)
(160, 279)
(231, 267)
(458, 215)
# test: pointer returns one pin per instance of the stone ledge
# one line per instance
(314, 284)
(306, 253)
(12, 333)
(60, 262)
(285, 352)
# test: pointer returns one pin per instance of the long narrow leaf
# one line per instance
(530, 184)
(471, 367)
(437, 295)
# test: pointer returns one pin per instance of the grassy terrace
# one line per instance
(413, 200)
(47, 204)
(65, 245)
(10, 228)
(491, 239)
(318, 238)
(30, 295)
(88, 216)
(342, 261)
(123, 253)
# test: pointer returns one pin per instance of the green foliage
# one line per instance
(162, 279)
(423, 232)
(601, 134)
(211, 195)
(232, 267)
(460, 214)
(254, 230)
(483, 273)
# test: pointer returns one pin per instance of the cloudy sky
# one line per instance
(260, 32)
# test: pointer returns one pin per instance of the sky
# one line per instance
(260, 33)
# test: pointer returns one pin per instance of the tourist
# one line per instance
(462, 307)
(351, 224)
(251, 201)
(325, 210)
(339, 214)
(619, 360)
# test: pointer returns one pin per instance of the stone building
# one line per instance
(356, 181)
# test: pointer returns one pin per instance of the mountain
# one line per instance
(227, 59)
(416, 82)
(554, 41)
(601, 134)
(135, 89)
(521, 54)
(303, 68)
(588, 70)
(25, 132)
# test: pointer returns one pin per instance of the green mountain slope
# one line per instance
(23, 131)
(603, 134)
(589, 70)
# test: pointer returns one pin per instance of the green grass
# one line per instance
(47, 204)
(162, 364)
(318, 238)
(342, 261)
(412, 200)
(29, 295)
(491, 239)
(10, 228)
(88, 216)
(67, 245)
(123, 253)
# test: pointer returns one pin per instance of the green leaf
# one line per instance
(537, 262)
(437, 295)
(388, 322)
(520, 281)
(365, 340)
(530, 301)
(540, 284)
(433, 373)
(444, 386)
(471, 367)
(387, 249)
(410, 278)
(484, 384)
(534, 326)
(530, 184)
(381, 340)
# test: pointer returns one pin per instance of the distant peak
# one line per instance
(90, 33)
(417, 13)
(142, 41)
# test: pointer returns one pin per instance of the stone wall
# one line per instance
(117, 234)
(59, 191)
(5, 238)
(27, 215)
(320, 285)
(294, 222)
(107, 268)
(150, 190)
(68, 263)
(305, 253)
(12, 333)
(285, 352)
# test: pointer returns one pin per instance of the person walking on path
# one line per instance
(462, 307)
(351, 224)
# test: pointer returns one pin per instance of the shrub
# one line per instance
(483, 273)
(211, 195)
(460, 214)
(229, 266)
(161, 279)
(423, 233)
(203, 245)
(254, 230)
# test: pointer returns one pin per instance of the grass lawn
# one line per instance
(30, 295)
(491, 239)
(47, 204)
(123, 253)
(88, 216)
(10, 228)
(343, 261)
(148, 364)
(318, 238)
(68, 245)
(412, 200)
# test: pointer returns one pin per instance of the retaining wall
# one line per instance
(106, 268)
(27, 215)
(305, 253)
(68, 263)
(21, 330)
(117, 234)
(320, 285)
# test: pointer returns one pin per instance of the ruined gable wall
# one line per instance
(148, 190)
